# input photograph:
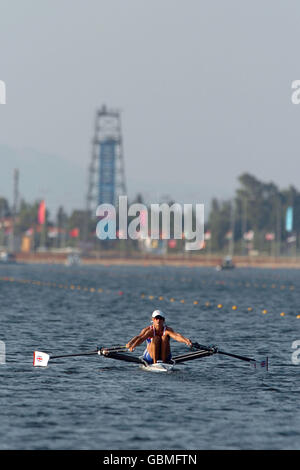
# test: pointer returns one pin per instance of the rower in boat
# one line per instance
(158, 337)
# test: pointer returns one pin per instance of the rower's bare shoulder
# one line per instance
(169, 329)
(146, 330)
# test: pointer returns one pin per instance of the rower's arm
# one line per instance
(139, 339)
(178, 337)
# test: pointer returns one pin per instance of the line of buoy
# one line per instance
(120, 293)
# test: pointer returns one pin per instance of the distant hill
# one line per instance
(43, 176)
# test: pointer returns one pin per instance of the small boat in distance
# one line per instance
(73, 259)
(7, 258)
(226, 264)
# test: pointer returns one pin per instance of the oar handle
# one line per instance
(205, 348)
(113, 348)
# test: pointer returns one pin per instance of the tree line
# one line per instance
(254, 219)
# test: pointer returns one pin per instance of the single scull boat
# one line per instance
(41, 359)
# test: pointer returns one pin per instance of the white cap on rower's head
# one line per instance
(158, 313)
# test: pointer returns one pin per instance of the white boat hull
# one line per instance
(158, 367)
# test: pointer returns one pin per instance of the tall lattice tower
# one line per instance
(106, 179)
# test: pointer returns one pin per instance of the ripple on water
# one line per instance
(215, 403)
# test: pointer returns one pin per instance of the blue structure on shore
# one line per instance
(107, 168)
(106, 171)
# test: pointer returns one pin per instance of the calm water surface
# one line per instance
(97, 403)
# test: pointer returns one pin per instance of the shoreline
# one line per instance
(109, 259)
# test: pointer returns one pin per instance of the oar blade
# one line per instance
(40, 359)
(264, 364)
(261, 364)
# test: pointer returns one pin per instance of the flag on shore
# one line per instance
(291, 239)
(249, 235)
(207, 235)
(74, 233)
(42, 213)
(29, 232)
(53, 232)
(289, 219)
(270, 236)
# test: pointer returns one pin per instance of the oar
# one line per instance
(214, 349)
(40, 359)
(88, 353)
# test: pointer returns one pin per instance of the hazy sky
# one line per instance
(204, 88)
